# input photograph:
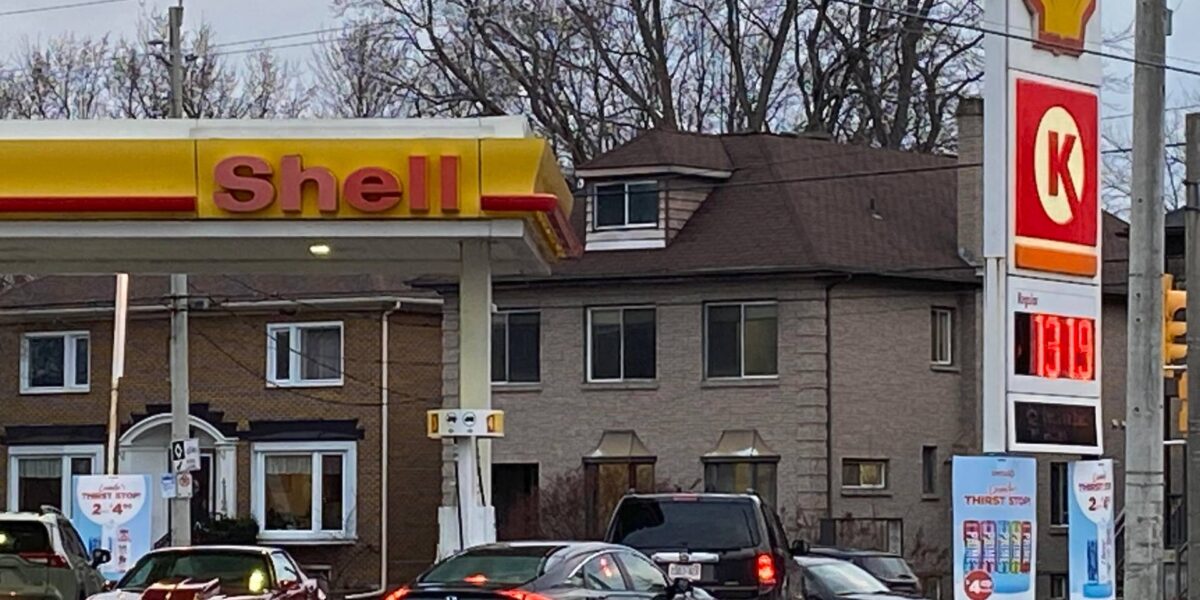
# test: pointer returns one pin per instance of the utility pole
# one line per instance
(1192, 213)
(1144, 381)
(181, 508)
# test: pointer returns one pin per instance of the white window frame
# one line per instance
(505, 314)
(588, 341)
(62, 452)
(741, 339)
(258, 482)
(596, 226)
(883, 471)
(296, 358)
(938, 315)
(69, 341)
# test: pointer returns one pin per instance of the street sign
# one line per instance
(184, 483)
(185, 455)
(166, 486)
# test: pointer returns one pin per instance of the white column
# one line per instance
(473, 458)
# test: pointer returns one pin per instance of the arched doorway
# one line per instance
(143, 450)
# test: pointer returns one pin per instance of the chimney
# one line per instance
(970, 180)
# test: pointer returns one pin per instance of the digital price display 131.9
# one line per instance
(1054, 346)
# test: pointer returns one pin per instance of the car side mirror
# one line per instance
(289, 585)
(109, 585)
(679, 588)
(100, 556)
(799, 548)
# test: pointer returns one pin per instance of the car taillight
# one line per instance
(521, 595)
(49, 559)
(765, 567)
(398, 594)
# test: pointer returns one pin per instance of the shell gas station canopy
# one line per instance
(288, 196)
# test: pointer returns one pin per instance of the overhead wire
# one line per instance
(41, 9)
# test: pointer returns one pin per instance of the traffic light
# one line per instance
(1174, 327)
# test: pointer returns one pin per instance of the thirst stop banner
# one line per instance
(1092, 550)
(113, 512)
(995, 527)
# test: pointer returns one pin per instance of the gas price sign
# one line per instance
(1054, 346)
(1054, 367)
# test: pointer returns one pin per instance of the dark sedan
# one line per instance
(547, 571)
(833, 579)
(889, 568)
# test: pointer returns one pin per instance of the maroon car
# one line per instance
(242, 571)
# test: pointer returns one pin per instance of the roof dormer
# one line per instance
(639, 196)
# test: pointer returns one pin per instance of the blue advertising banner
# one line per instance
(995, 527)
(1092, 550)
(114, 512)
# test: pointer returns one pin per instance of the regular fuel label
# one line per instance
(995, 519)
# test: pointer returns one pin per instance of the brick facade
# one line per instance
(227, 366)
(888, 402)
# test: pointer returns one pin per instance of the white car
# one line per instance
(43, 558)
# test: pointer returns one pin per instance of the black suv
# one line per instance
(731, 545)
(891, 569)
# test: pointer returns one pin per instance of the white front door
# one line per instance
(152, 461)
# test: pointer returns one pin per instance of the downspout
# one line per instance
(384, 361)
(829, 394)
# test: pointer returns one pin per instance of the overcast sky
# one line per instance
(235, 20)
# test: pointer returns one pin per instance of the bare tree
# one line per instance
(591, 73)
(357, 72)
(83, 78)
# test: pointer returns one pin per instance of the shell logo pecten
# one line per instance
(1061, 25)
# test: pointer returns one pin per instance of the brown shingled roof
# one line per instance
(663, 148)
(803, 204)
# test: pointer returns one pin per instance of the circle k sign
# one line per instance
(1056, 181)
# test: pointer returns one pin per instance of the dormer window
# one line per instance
(626, 205)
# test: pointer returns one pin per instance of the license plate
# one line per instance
(691, 572)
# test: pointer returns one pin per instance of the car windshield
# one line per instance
(887, 567)
(238, 572)
(23, 536)
(505, 566)
(845, 578)
(650, 523)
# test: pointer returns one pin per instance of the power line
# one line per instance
(41, 9)
(1016, 36)
(1168, 109)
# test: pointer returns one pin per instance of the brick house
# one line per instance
(752, 311)
(286, 400)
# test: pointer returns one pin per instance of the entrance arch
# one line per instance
(141, 451)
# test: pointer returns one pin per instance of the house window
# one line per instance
(54, 362)
(622, 205)
(739, 477)
(606, 482)
(304, 490)
(1058, 494)
(941, 337)
(621, 344)
(42, 475)
(1058, 586)
(304, 354)
(929, 469)
(858, 474)
(741, 340)
(516, 347)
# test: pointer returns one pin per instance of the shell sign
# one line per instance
(1060, 24)
(1056, 188)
